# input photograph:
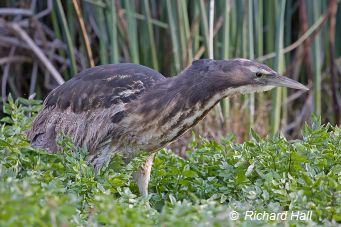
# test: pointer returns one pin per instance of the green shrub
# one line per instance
(262, 175)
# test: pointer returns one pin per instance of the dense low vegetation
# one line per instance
(270, 174)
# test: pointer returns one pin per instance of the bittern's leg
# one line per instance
(143, 175)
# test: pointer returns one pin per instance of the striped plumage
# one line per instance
(129, 108)
(90, 106)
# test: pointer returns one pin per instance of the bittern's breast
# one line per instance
(153, 129)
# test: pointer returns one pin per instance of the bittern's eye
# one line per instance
(259, 75)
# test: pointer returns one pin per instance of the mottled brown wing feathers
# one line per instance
(103, 86)
(85, 106)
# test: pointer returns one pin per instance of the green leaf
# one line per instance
(254, 135)
(189, 173)
(3, 143)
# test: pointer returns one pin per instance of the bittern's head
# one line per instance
(244, 76)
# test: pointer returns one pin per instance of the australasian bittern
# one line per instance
(129, 108)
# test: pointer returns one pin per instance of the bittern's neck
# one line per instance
(175, 105)
(183, 92)
(196, 103)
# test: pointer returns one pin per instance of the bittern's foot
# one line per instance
(142, 177)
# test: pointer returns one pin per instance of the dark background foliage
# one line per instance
(43, 43)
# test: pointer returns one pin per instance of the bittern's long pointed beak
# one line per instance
(282, 81)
